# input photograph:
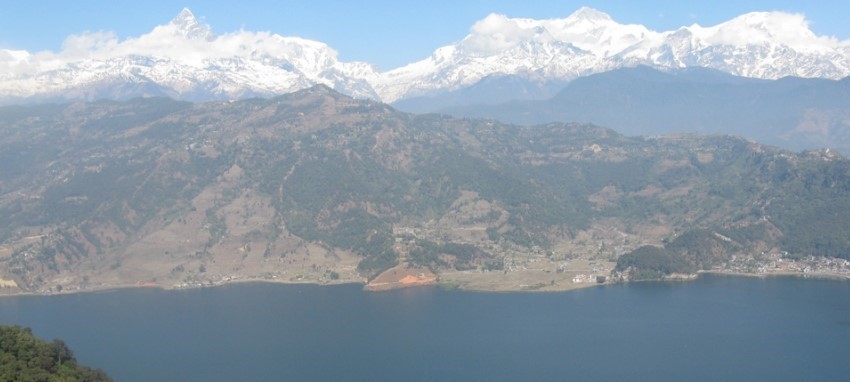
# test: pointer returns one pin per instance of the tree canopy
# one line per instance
(26, 358)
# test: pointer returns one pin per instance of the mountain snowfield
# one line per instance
(185, 60)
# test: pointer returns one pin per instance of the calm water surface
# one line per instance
(715, 328)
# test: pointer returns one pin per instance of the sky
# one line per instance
(385, 33)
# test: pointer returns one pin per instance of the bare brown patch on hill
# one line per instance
(402, 276)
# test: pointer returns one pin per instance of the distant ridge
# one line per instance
(794, 113)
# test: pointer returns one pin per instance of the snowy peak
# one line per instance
(588, 15)
(766, 45)
(498, 45)
(182, 59)
(775, 28)
(187, 25)
(586, 28)
(497, 33)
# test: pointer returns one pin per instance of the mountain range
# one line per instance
(315, 186)
(185, 60)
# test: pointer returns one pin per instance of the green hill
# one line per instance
(318, 187)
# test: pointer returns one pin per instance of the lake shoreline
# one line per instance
(110, 288)
(443, 284)
(804, 275)
(755, 329)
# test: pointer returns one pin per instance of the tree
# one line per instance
(23, 357)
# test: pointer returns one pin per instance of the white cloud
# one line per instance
(497, 33)
(791, 29)
(84, 44)
(176, 43)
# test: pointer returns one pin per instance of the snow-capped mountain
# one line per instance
(184, 59)
(766, 45)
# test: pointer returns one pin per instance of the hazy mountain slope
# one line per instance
(794, 113)
(315, 186)
(488, 91)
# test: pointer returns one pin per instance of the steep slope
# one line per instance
(319, 187)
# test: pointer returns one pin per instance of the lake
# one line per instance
(714, 328)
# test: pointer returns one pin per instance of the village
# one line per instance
(781, 263)
(588, 260)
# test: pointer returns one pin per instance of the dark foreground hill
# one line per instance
(318, 187)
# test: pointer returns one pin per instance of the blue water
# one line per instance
(712, 329)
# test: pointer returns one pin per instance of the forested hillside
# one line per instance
(318, 187)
